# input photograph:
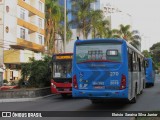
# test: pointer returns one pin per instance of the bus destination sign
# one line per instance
(63, 57)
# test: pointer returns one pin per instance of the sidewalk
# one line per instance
(23, 99)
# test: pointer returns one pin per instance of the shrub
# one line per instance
(36, 73)
(5, 81)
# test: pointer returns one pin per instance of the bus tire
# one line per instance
(144, 85)
(95, 101)
(64, 95)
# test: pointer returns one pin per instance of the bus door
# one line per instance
(130, 73)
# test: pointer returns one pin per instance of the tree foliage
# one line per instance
(54, 24)
(146, 53)
(36, 73)
(130, 36)
(155, 52)
(88, 20)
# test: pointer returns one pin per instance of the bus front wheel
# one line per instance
(64, 95)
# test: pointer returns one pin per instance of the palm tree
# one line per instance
(53, 15)
(124, 32)
(136, 40)
(61, 28)
(131, 37)
(111, 33)
(83, 16)
(99, 25)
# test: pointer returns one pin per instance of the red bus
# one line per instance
(61, 78)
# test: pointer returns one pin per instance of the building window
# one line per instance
(40, 6)
(22, 33)
(7, 29)
(7, 9)
(22, 13)
(40, 39)
(40, 22)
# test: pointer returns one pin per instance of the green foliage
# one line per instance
(155, 53)
(125, 33)
(88, 20)
(5, 81)
(146, 53)
(155, 46)
(54, 15)
(36, 73)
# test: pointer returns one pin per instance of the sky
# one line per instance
(145, 18)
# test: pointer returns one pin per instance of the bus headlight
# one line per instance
(52, 84)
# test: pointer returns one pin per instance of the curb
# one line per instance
(23, 99)
(133, 118)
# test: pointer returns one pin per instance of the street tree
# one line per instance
(130, 36)
(61, 27)
(53, 16)
(155, 52)
(86, 19)
(146, 53)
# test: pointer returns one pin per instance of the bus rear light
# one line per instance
(75, 84)
(123, 82)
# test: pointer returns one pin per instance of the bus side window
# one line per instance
(130, 63)
(146, 63)
(144, 66)
(139, 64)
(134, 62)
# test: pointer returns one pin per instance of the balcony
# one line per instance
(31, 8)
(42, 1)
(30, 26)
(24, 44)
(12, 56)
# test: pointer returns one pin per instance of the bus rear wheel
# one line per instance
(95, 101)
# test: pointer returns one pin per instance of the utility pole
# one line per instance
(64, 44)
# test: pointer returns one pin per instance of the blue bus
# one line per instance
(150, 71)
(107, 69)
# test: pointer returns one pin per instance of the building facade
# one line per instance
(21, 34)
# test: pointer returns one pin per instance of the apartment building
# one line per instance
(21, 34)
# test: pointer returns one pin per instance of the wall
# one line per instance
(10, 21)
(25, 93)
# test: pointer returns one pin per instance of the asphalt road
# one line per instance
(148, 101)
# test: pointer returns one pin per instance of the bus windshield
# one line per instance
(62, 69)
(101, 52)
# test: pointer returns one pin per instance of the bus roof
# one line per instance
(109, 40)
(100, 40)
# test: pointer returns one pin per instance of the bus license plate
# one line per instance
(99, 87)
(66, 89)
